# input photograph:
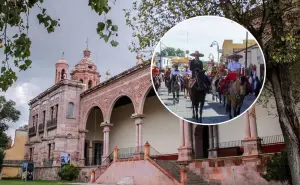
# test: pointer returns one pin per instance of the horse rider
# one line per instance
(196, 63)
(167, 79)
(186, 71)
(155, 70)
(175, 72)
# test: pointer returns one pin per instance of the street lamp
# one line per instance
(215, 43)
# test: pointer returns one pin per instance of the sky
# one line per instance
(198, 33)
(78, 22)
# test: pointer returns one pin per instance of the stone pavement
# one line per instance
(213, 112)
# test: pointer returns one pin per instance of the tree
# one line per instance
(277, 169)
(273, 23)
(8, 113)
(169, 51)
(14, 28)
(180, 53)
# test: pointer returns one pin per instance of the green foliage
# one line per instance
(277, 169)
(2, 156)
(169, 51)
(69, 172)
(14, 16)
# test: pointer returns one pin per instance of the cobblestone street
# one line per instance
(213, 112)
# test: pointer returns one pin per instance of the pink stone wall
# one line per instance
(142, 171)
(245, 170)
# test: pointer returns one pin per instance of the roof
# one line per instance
(180, 60)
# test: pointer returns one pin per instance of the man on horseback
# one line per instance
(174, 76)
(186, 73)
(155, 76)
(167, 79)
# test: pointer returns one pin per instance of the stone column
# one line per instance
(81, 147)
(106, 128)
(210, 136)
(213, 150)
(181, 125)
(138, 120)
(216, 138)
(252, 144)
(185, 152)
(252, 118)
(247, 125)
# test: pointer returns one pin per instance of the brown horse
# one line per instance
(235, 96)
(186, 87)
(156, 82)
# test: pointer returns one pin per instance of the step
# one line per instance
(128, 180)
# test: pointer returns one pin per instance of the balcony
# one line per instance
(41, 127)
(32, 131)
(51, 124)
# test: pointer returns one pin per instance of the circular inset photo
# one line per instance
(208, 70)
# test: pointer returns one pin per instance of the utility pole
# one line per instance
(160, 60)
(246, 50)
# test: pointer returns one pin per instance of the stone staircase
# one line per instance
(174, 170)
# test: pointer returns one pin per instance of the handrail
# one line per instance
(104, 165)
(170, 166)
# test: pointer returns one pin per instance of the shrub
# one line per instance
(69, 172)
(277, 169)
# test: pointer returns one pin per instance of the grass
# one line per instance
(20, 182)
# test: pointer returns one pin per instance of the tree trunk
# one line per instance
(281, 81)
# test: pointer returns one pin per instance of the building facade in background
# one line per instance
(88, 119)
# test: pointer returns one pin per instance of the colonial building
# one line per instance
(104, 127)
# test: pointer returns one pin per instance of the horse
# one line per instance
(214, 86)
(156, 81)
(167, 83)
(186, 87)
(235, 96)
(199, 88)
(175, 86)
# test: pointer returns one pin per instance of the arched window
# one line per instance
(70, 110)
(81, 80)
(63, 74)
(90, 84)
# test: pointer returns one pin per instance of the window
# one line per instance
(30, 154)
(90, 84)
(62, 74)
(44, 116)
(33, 121)
(52, 112)
(36, 121)
(49, 151)
(70, 110)
(81, 80)
(56, 111)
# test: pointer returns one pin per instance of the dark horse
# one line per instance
(199, 88)
(156, 81)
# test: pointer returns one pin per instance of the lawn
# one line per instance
(20, 182)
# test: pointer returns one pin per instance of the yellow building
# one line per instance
(229, 46)
(15, 155)
(181, 61)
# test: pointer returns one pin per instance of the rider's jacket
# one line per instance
(195, 64)
(155, 71)
(234, 66)
(174, 72)
(186, 72)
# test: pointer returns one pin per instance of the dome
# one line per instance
(62, 61)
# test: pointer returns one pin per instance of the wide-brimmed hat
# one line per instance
(175, 64)
(235, 56)
(154, 64)
(196, 53)
(186, 66)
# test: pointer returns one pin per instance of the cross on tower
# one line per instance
(87, 43)
(63, 54)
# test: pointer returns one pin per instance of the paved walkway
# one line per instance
(213, 112)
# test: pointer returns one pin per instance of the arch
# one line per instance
(142, 102)
(113, 103)
(86, 115)
(70, 112)
(81, 80)
(63, 72)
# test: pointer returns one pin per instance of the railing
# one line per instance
(32, 131)
(270, 140)
(104, 165)
(230, 144)
(51, 124)
(170, 166)
(41, 127)
(125, 153)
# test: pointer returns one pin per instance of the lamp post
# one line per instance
(215, 43)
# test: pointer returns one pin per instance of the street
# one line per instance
(213, 112)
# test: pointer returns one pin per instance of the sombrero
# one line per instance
(196, 53)
(154, 65)
(235, 56)
(186, 65)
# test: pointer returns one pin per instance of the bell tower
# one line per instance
(62, 68)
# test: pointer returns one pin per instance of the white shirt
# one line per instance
(186, 72)
(234, 66)
(173, 72)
